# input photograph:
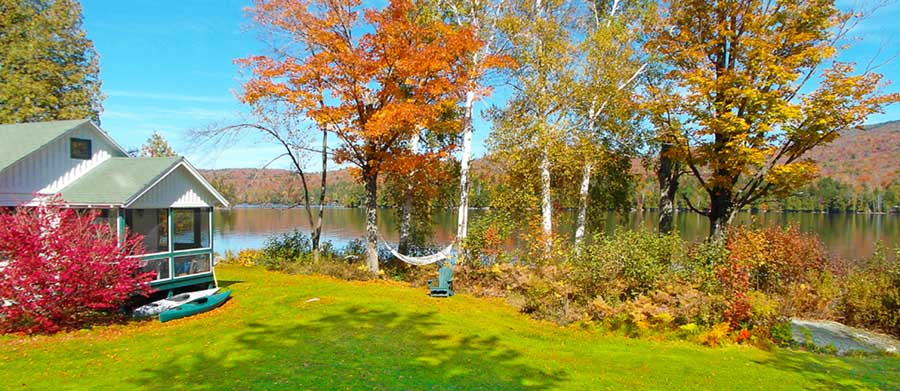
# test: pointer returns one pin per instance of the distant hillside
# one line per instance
(262, 186)
(870, 156)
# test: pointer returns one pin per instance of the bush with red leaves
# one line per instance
(59, 270)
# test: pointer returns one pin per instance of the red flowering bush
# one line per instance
(59, 270)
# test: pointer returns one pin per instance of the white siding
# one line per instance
(178, 190)
(50, 169)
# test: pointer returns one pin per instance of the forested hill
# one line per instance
(859, 158)
(869, 157)
(276, 186)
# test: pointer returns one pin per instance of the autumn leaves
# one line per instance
(715, 90)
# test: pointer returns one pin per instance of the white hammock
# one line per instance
(420, 261)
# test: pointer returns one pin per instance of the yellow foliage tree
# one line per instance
(754, 85)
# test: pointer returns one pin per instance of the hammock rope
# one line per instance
(420, 261)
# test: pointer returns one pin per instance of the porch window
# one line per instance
(153, 224)
(104, 216)
(191, 228)
(160, 266)
(107, 217)
(192, 264)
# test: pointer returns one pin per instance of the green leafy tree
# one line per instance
(48, 67)
(157, 146)
(530, 127)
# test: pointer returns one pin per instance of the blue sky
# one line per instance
(167, 66)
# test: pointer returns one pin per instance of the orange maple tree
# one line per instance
(372, 77)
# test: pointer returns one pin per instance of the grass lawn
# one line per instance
(387, 336)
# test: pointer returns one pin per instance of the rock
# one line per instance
(842, 337)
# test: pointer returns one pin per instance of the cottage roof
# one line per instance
(122, 180)
(20, 140)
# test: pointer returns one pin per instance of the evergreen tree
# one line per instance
(157, 146)
(48, 68)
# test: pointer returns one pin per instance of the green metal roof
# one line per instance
(20, 140)
(117, 180)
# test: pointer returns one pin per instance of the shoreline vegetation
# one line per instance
(486, 208)
(743, 289)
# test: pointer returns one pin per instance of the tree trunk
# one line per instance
(583, 201)
(405, 215)
(317, 231)
(667, 177)
(407, 204)
(463, 216)
(721, 212)
(546, 206)
(371, 181)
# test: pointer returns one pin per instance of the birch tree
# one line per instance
(481, 17)
(539, 33)
(612, 66)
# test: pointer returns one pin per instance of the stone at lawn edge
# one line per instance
(843, 338)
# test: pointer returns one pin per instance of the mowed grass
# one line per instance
(388, 336)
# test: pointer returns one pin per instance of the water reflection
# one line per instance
(849, 236)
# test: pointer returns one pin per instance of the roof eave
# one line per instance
(178, 163)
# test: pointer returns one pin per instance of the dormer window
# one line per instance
(80, 148)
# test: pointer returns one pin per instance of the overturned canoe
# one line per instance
(157, 307)
(194, 307)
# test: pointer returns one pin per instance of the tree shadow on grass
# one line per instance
(832, 372)
(355, 349)
(227, 283)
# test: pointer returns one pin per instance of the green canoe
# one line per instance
(194, 307)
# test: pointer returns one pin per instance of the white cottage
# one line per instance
(164, 199)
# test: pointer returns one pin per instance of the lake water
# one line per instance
(849, 236)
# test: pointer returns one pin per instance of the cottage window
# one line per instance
(192, 264)
(153, 225)
(80, 148)
(191, 228)
(159, 266)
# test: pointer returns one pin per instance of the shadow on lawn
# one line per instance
(829, 372)
(227, 283)
(355, 349)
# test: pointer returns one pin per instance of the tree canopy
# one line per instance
(48, 67)
(372, 77)
(157, 146)
(755, 85)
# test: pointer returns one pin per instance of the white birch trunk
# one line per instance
(546, 206)
(371, 223)
(463, 216)
(406, 206)
(582, 204)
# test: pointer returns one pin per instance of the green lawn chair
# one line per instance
(444, 287)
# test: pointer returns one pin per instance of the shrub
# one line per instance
(782, 334)
(715, 336)
(772, 262)
(487, 238)
(62, 271)
(871, 297)
(626, 264)
(245, 257)
(285, 248)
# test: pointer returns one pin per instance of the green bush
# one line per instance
(871, 296)
(627, 263)
(287, 248)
